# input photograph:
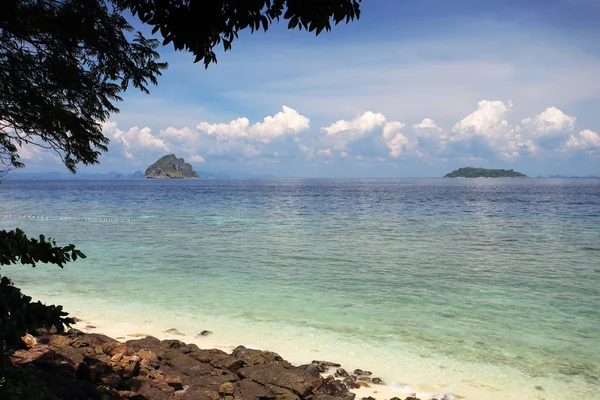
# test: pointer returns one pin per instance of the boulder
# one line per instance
(294, 379)
(249, 390)
(254, 357)
(336, 388)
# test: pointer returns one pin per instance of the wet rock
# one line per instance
(364, 379)
(327, 363)
(360, 372)
(412, 397)
(204, 333)
(29, 340)
(377, 381)
(351, 382)
(395, 398)
(368, 398)
(341, 373)
(294, 379)
(174, 331)
(311, 369)
(335, 387)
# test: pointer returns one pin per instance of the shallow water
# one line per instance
(463, 286)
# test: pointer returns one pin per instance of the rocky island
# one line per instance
(170, 167)
(470, 172)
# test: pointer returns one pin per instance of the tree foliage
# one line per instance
(18, 314)
(200, 26)
(65, 63)
(471, 172)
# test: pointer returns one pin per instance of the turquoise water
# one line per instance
(478, 273)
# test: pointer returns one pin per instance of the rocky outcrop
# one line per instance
(79, 365)
(170, 167)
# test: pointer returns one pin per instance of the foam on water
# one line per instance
(482, 289)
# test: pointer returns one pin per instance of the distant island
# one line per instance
(170, 167)
(470, 172)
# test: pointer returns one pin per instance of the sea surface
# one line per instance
(483, 288)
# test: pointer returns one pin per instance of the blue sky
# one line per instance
(414, 88)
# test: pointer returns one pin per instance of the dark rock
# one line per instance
(294, 379)
(312, 369)
(368, 398)
(249, 390)
(351, 382)
(395, 398)
(360, 372)
(174, 331)
(341, 373)
(204, 333)
(377, 381)
(413, 397)
(327, 363)
(336, 388)
(364, 379)
(255, 357)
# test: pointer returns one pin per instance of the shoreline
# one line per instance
(384, 391)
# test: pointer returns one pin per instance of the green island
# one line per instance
(471, 172)
(170, 167)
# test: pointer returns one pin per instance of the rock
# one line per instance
(412, 397)
(204, 333)
(351, 382)
(111, 379)
(249, 390)
(327, 363)
(312, 369)
(115, 348)
(255, 357)
(336, 388)
(395, 398)
(363, 384)
(282, 393)
(360, 372)
(364, 379)
(29, 340)
(148, 356)
(60, 341)
(226, 389)
(377, 381)
(174, 331)
(126, 366)
(174, 381)
(341, 373)
(22, 357)
(368, 398)
(294, 379)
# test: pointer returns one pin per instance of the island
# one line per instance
(170, 167)
(471, 172)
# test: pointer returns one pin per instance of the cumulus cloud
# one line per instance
(551, 119)
(286, 122)
(485, 133)
(584, 140)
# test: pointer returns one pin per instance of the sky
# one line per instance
(412, 89)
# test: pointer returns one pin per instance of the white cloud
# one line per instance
(551, 119)
(484, 133)
(360, 125)
(584, 140)
(286, 122)
(488, 119)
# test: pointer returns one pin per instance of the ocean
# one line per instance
(483, 288)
